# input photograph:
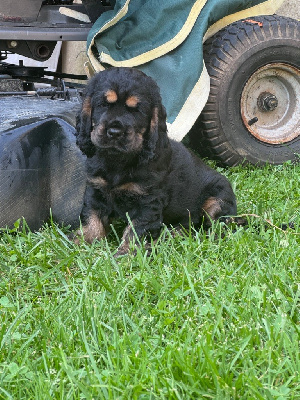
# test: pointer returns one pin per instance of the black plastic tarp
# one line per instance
(41, 168)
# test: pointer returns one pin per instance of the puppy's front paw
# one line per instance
(123, 250)
(94, 229)
(76, 237)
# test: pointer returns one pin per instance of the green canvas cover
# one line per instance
(165, 39)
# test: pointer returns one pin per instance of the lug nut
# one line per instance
(267, 101)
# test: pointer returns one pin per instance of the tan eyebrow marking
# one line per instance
(111, 96)
(132, 101)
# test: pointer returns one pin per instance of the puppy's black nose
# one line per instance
(115, 131)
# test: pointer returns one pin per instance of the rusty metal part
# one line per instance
(19, 10)
(267, 101)
(7, 84)
(270, 103)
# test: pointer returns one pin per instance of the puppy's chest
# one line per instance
(117, 186)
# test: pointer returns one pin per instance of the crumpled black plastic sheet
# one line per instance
(41, 168)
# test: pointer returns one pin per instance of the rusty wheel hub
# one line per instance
(270, 103)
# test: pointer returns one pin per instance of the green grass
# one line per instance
(204, 316)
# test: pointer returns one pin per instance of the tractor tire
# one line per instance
(253, 111)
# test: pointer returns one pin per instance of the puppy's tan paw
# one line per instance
(123, 250)
(76, 237)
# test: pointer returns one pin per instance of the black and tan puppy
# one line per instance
(134, 169)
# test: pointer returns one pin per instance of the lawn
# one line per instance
(203, 316)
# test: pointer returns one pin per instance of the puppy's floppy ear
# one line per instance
(158, 125)
(84, 127)
(158, 137)
(158, 120)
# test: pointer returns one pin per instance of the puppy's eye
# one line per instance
(132, 109)
(104, 103)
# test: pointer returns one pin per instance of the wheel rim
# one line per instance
(270, 103)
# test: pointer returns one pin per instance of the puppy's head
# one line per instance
(122, 113)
